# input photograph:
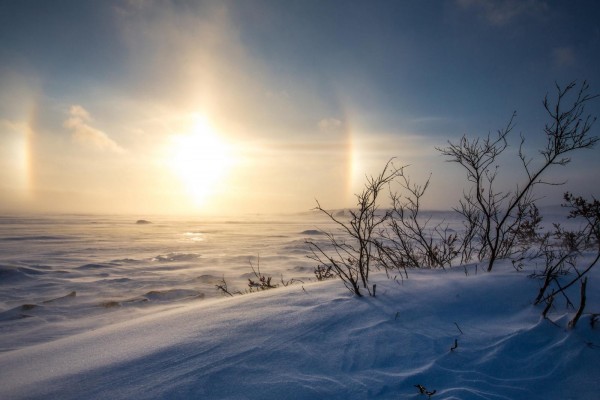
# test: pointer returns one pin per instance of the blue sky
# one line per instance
(103, 102)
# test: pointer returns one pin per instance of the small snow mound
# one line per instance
(95, 266)
(208, 278)
(175, 257)
(312, 232)
(17, 313)
(110, 304)
(39, 238)
(66, 297)
(124, 261)
(173, 294)
(8, 273)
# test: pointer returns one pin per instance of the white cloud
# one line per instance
(329, 124)
(79, 112)
(502, 12)
(83, 133)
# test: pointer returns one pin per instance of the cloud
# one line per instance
(329, 124)
(503, 12)
(563, 57)
(82, 132)
(79, 112)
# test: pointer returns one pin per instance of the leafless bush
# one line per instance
(262, 282)
(582, 299)
(324, 272)
(222, 287)
(497, 224)
(411, 241)
(353, 251)
(495, 217)
(288, 282)
(395, 239)
(561, 261)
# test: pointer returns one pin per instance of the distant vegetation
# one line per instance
(497, 224)
(260, 282)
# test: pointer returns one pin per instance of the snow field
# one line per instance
(316, 341)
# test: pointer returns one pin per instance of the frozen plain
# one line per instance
(304, 341)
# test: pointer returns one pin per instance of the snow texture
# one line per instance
(317, 341)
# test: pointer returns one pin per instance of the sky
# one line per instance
(256, 106)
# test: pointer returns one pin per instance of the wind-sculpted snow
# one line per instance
(12, 273)
(119, 268)
(34, 238)
(320, 342)
(175, 257)
(130, 326)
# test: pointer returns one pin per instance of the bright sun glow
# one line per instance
(201, 159)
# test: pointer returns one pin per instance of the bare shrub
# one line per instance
(410, 240)
(497, 223)
(324, 272)
(222, 287)
(259, 283)
(288, 282)
(561, 260)
(353, 251)
(496, 217)
(262, 282)
(582, 299)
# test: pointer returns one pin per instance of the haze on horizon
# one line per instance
(257, 106)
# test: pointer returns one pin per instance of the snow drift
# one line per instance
(316, 341)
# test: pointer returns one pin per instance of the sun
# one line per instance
(200, 159)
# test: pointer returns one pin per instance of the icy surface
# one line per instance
(61, 275)
(304, 341)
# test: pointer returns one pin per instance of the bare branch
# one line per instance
(495, 216)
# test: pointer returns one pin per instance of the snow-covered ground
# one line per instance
(61, 275)
(316, 341)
